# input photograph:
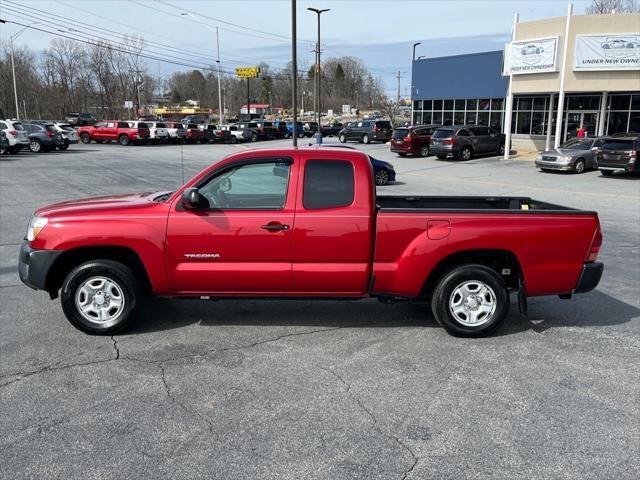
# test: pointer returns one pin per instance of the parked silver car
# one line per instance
(576, 155)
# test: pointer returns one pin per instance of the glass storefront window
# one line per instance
(458, 117)
(618, 122)
(538, 126)
(417, 105)
(472, 104)
(539, 103)
(583, 102)
(437, 118)
(426, 118)
(524, 123)
(635, 102)
(619, 102)
(448, 105)
(427, 105)
(437, 105)
(483, 118)
(495, 121)
(525, 103)
(417, 118)
(497, 104)
(471, 118)
(447, 118)
(459, 104)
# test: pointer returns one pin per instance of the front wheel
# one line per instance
(365, 139)
(424, 151)
(85, 138)
(382, 177)
(579, 166)
(470, 300)
(501, 150)
(342, 138)
(35, 146)
(64, 146)
(465, 154)
(124, 140)
(254, 137)
(100, 297)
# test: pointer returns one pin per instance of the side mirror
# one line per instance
(191, 199)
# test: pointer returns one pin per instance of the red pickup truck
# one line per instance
(306, 222)
(113, 130)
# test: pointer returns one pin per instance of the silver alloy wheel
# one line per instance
(382, 177)
(579, 166)
(99, 300)
(424, 151)
(35, 146)
(473, 303)
(466, 154)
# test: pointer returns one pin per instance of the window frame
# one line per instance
(304, 184)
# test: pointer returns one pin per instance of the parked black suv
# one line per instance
(618, 153)
(465, 141)
(366, 131)
(80, 119)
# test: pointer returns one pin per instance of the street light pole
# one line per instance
(318, 12)
(412, 80)
(220, 111)
(13, 66)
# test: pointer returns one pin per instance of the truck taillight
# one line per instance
(594, 250)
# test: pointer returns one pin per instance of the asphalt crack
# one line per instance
(376, 425)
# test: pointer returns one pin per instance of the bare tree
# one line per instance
(613, 6)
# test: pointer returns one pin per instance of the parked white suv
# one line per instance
(239, 134)
(16, 134)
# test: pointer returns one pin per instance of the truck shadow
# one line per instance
(593, 309)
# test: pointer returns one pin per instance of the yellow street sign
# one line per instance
(247, 72)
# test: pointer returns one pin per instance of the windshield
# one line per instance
(400, 133)
(442, 133)
(578, 144)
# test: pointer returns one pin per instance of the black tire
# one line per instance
(424, 151)
(441, 156)
(501, 150)
(64, 146)
(382, 177)
(3, 150)
(606, 173)
(119, 274)
(365, 139)
(35, 146)
(233, 140)
(465, 154)
(579, 166)
(446, 292)
(124, 140)
(254, 137)
(85, 138)
(342, 138)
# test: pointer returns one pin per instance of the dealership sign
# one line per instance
(608, 52)
(531, 56)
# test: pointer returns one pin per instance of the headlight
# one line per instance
(36, 224)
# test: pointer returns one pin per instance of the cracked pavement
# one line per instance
(241, 389)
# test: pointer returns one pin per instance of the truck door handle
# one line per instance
(275, 227)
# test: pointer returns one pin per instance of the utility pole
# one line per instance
(318, 12)
(220, 111)
(398, 78)
(294, 72)
(138, 83)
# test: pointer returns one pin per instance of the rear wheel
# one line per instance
(342, 138)
(35, 146)
(85, 138)
(254, 137)
(365, 139)
(64, 146)
(124, 140)
(465, 154)
(424, 151)
(579, 166)
(233, 139)
(470, 300)
(100, 297)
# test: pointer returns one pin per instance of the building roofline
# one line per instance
(460, 55)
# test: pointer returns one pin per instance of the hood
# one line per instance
(562, 152)
(99, 204)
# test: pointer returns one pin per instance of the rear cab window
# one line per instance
(328, 184)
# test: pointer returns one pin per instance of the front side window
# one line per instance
(100, 124)
(255, 186)
(328, 184)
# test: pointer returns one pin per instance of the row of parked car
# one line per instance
(38, 136)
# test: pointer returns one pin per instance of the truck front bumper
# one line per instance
(34, 265)
(590, 277)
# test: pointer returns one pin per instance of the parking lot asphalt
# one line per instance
(241, 389)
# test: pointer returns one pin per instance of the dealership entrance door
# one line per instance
(573, 120)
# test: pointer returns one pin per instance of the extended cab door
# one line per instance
(240, 241)
(333, 235)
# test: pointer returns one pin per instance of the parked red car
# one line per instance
(306, 222)
(412, 140)
(114, 130)
(195, 134)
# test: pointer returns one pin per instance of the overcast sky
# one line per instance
(380, 32)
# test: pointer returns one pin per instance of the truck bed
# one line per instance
(463, 203)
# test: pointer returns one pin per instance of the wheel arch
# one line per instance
(497, 260)
(70, 259)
